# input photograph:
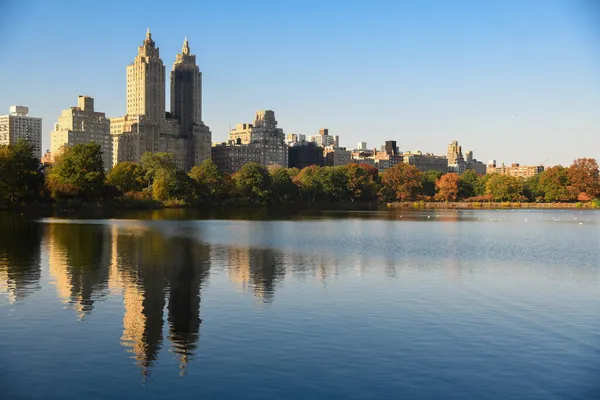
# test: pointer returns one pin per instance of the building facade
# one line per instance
(516, 170)
(426, 161)
(18, 125)
(82, 125)
(230, 158)
(305, 155)
(337, 157)
(324, 139)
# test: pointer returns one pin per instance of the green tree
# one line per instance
(282, 187)
(333, 182)
(447, 187)
(154, 163)
(253, 182)
(309, 184)
(532, 189)
(481, 185)
(361, 181)
(401, 182)
(21, 175)
(468, 183)
(429, 179)
(584, 177)
(505, 188)
(555, 185)
(169, 185)
(127, 176)
(207, 181)
(77, 172)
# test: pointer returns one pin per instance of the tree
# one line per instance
(207, 181)
(401, 182)
(169, 185)
(21, 175)
(555, 186)
(447, 187)
(429, 180)
(333, 183)
(153, 163)
(282, 187)
(253, 182)
(584, 177)
(361, 181)
(532, 189)
(127, 176)
(505, 188)
(468, 183)
(77, 172)
(308, 183)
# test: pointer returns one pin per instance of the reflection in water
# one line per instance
(78, 263)
(257, 268)
(86, 261)
(20, 256)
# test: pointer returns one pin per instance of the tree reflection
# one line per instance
(20, 256)
(259, 269)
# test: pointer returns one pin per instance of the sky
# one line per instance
(514, 81)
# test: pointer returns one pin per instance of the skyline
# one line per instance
(500, 92)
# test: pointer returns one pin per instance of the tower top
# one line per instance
(148, 34)
(186, 47)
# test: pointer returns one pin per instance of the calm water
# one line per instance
(347, 305)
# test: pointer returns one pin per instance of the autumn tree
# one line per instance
(401, 182)
(333, 183)
(308, 183)
(428, 181)
(447, 187)
(583, 176)
(361, 181)
(77, 172)
(555, 185)
(127, 176)
(504, 188)
(21, 176)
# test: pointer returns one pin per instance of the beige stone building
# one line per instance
(336, 157)
(18, 125)
(426, 161)
(82, 125)
(147, 127)
(516, 170)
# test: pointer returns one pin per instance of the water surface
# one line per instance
(338, 305)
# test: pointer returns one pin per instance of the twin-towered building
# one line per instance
(146, 126)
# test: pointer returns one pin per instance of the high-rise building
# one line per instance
(391, 148)
(146, 82)
(324, 139)
(456, 161)
(304, 155)
(361, 146)
(147, 127)
(18, 125)
(81, 125)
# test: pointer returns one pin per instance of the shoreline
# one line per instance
(463, 205)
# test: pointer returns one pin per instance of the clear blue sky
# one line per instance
(515, 81)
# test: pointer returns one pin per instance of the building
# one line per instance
(336, 156)
(426, 161)
(230, 157)
(295, 139)
(456, 160)
(18, 125)
(391, 148)
(82, 125)
(302, 156)
(147, 127)
(263, 135)
(361, 146)
(324, 139)
(516, 170)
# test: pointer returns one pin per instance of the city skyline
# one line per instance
(506, 99)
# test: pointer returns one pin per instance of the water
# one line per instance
(341, 305)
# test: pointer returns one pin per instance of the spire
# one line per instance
(148, 34)
(186, 47)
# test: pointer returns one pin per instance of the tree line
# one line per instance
(77, 173)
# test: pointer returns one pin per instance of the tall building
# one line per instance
(304, 155)
(18, 125)
(81, 124)
(147, 127)
(456, 161)
(361, 146)
(146, 82)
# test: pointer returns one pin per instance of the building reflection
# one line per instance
(257, 269)
(20, 257)
(78, 258)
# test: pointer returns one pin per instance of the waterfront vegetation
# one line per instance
(77, 176)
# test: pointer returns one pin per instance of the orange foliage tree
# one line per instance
(401, 182)
(447, 187)
(583, 175)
